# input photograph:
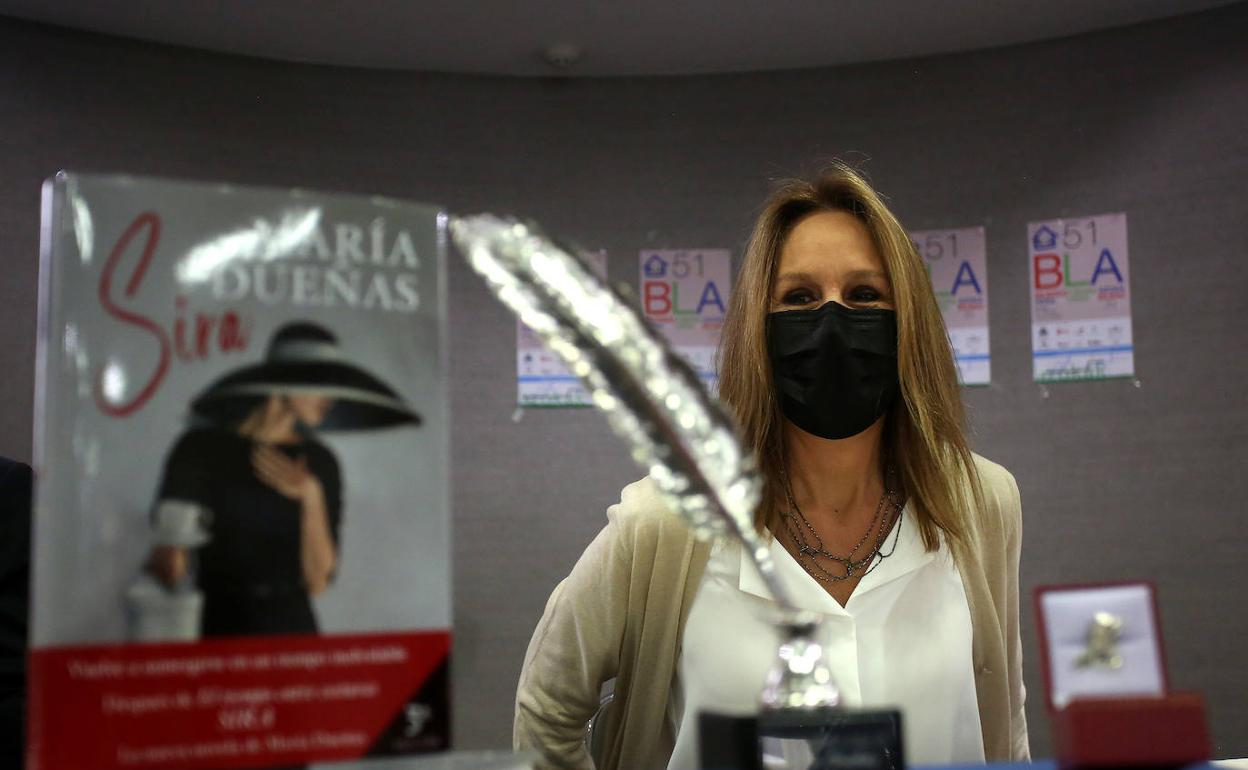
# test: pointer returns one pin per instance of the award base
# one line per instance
(834, 737)
(1107, 732)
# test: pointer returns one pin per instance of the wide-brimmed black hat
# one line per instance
(305, 358)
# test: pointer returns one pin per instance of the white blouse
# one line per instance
(903, 640)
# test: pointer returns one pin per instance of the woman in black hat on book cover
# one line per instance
(268, 494)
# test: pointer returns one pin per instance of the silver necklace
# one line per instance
(818, 572)
(809, 553)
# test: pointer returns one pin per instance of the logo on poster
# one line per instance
(1052, 271)
(1045, 238)
(655, 267)
(663, 299)
(965, 277)
(663, 282)
(966, 291)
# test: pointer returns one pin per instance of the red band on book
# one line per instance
(246, 702)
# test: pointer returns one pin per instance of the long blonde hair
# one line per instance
(924, 438)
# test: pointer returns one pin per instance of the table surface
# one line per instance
(506, 760)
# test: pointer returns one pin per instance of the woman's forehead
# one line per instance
(829, 242)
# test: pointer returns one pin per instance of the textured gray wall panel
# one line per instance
(1118, 481)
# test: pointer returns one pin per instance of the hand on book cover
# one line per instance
(168, 564)
(288, 477)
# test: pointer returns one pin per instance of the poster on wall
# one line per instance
(958, 266)
(542, 379)
(241, 463)
(1080, 299)
(684, 294)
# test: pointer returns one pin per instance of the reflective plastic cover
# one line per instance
(241, 531)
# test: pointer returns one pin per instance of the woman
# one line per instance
(270, 491)
(837, 365)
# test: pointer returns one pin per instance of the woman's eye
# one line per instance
(865, 294)
(798, 297)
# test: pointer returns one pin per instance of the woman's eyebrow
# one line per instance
(799, 276)
(795, 277)
(858, 275)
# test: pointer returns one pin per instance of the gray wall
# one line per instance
(1118, 481)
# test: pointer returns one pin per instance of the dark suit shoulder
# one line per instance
(16, 481)
(15, 478)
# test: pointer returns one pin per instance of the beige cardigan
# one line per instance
(621, 612)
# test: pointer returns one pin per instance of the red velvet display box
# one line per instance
(1109, 732)
(1161, 730)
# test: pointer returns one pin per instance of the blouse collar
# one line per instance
(809, 594)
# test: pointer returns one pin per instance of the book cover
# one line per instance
(241, 529)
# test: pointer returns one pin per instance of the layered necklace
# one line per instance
(810, 548)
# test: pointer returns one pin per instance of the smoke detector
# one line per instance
(561, 56)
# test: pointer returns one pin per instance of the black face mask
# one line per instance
(834, 369)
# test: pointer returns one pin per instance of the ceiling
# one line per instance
(624, 37)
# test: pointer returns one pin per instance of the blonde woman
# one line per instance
(837, 366)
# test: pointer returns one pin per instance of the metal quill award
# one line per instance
(688, 444)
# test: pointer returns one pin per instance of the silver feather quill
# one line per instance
(653, 400)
